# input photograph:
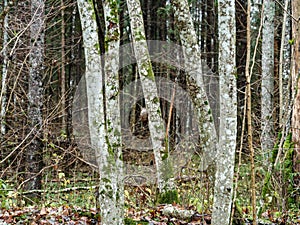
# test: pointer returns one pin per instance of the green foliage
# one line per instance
(266, 187)
(275, 149)
(168, 197)
(165, 11)
(81, 196)
(199, 204)
(129, 221)
(238, 214)
(285, 169)
(291, 41)
(8, 197)
(3, 193)
(288, 175)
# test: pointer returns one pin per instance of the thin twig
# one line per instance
(170, 112)
(286, 11)
(60, 190)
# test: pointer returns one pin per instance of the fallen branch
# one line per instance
(59, 191)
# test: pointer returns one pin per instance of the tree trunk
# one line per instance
(296, 82)
(111, 166)
(156, 125)
(3, 97)
(63, 72)
(196, 87)
(228, 114)
(284, 65)
(267, 83)
(105, 133)
(35, 96)
(248, 74)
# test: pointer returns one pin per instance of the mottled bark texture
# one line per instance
(111, 165)
(228, 114)
(284, 66)
(156, 125)
(267, 82)
(228, 110)
(111, 200)
(196, 88)
(4, 52)
(35, 96)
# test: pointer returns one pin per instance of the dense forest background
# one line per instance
(43, 158)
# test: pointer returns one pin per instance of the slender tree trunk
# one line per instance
(228, 114)
(35, 96)
(3, 97)
(267, 83)
(156, 125)
(296, 82)
(248, 73)
(71, 72)
(63, 70)
(283, 64)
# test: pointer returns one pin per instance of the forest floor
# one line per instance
(72, 199)
(72, 215)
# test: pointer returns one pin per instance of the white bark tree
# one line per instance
(111, 165)
(105, 132)
(35, 95)
(4, 74)
(284, 65)
(267, 83)
(228, 110)
(156, 125)
(228, 114)
(196, 88)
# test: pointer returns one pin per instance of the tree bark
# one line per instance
(156, 125)
(248, 73)
(111, 165)
(267, 83)
(296, 82)
(63, 72)
(196, 88)
(3, 97)
(105, 132)
(228, 114)
(35, 96)
(284, 65)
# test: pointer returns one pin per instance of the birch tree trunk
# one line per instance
(35, 95)
(3, 97)
(284, 65)
(104, 134)
(156, 125)
(111, 165)
(228, 114)
(196, 88)
(267, 83)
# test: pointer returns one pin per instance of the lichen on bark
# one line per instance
(152, 101)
